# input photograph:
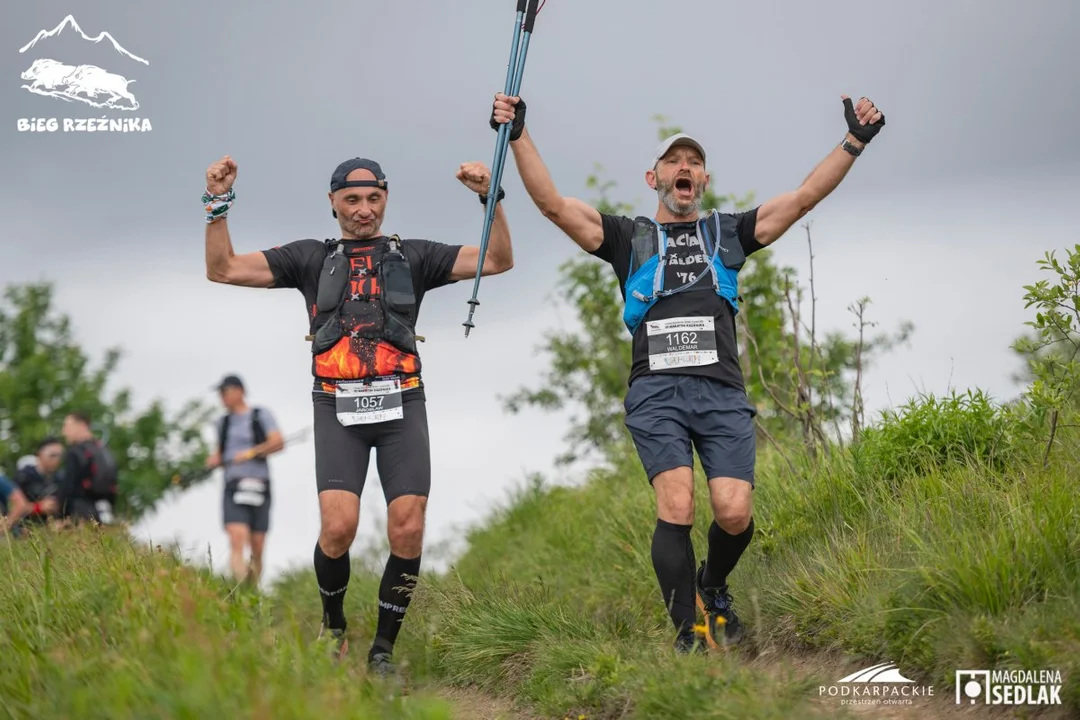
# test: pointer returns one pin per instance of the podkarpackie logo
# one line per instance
(881, 684)
(88, 83)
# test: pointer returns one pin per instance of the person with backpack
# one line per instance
(362, 293)
(677, 270)
(36, 477)
(246, 436)
(89, 483)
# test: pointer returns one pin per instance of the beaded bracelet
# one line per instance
(217, 206)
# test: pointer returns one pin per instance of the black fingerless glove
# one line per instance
(864, 133)
(519, 120)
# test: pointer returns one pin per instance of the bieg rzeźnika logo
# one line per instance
(83, 83)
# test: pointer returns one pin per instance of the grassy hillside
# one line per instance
(939, 543)
(94, 627)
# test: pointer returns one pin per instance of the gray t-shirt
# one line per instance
(239, 438)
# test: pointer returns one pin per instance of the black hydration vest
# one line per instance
(396, 297)
(258, 434)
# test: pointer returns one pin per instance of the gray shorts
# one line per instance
(669, 416)
(247, 506)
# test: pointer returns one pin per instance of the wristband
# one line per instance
(498, 196)
(217, 206)
(37, 508)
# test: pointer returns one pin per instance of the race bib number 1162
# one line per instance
(681, 342)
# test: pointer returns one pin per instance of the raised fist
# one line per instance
(220, 176)
(863, 119)
(475, 176)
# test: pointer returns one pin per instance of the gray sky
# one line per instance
(971, 181)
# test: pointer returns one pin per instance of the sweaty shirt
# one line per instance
(298, 265)
(687, 262)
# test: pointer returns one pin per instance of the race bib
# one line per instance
(250, 491)
(366, 403)
(681, 342)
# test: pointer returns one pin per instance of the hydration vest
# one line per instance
(648, 261)
(396, 297)
(258, 434)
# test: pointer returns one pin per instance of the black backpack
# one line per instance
(258, 434)
(100, 482)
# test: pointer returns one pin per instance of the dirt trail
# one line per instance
(472, 704)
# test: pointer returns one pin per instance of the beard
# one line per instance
(677, 205)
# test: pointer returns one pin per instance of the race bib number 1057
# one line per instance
(365, 403)
(681, 342)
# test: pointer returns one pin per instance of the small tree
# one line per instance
(1052, 353)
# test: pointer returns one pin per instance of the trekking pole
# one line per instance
(184, 480)
(526, 9)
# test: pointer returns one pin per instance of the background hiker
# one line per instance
(13, 504)
(37, 480)
(686, 389)
(367, 390)
(89, 481)
(246, 437)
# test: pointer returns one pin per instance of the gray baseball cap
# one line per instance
(677, 139)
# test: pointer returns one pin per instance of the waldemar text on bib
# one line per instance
(681, 342)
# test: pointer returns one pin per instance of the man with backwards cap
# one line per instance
(362, 293)
(678, 276)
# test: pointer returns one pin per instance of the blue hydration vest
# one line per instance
(645, 279)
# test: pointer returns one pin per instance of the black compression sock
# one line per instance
(332, 575)
(393, 602)
(724, 553)
(673, 561)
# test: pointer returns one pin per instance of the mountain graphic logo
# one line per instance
(883, 673)
(89, 84)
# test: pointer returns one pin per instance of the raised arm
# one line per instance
(777, 215)
(576, 218)
(500, 253)
(222, 264)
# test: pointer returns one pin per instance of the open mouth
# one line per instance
(684, 187)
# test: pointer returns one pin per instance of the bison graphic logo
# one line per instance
(83, 83)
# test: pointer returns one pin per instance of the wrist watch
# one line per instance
(850, 147)
(498, 196)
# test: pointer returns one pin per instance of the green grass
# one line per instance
(96, 627)
(962, 551)
(950, 559)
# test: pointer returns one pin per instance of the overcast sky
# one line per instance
(971, 181)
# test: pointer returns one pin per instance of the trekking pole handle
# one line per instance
(530, 14)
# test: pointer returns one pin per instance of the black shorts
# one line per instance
(402, 449)
(242, 505)
(670, 415)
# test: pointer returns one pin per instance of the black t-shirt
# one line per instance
(298, 265)
(687, 262)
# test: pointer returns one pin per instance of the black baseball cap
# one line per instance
(338, 179)
(229, 381)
